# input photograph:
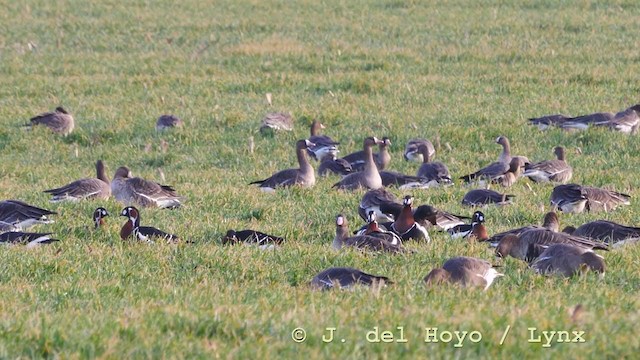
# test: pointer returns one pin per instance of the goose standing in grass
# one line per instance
(558, 170)
(568, 260)
(382, 158)
(494, 169)
(303, 176)
(264, 241)
(132, 228)
(59, 121)
(98, 217)
(342, 278)
(127, 189)
(482, 197)
(369, 178)
(550, 221)
(30, 240)
(607, 231)
(321, 145)
(277, 121)
(90, 188)
(167, 122)
(573, 198)
(434, 172)
(412, 152)
(466, 271)
(20, 215)
(331, 164)
(405, 225)
(383, 203)
(363, 242)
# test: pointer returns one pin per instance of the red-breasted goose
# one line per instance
(607, 231)
(168, 121)
(363, 242)
(405, 225)
(568, 260)
(434, 172)
(464, 230)
(21, 215)
(372, 229)
(411, 152)
(466, 271)
(321, 145)
(89, 188)
(482, 197)
(133, 229)
(369, 178)
(30, 240)
(383, 203)
(342, 278)
(127, 189)
(576, 198)
(277, 121)
(302, 176)
(550, 221)
(98, 217)
(558, 170)
(262, 240)
(331, 164)
(59, 121)
(382, 158)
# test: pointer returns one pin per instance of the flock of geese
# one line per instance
(389, 222)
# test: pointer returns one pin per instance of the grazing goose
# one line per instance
(264, 241)
(382, 158)
(603, 199)
(29, 239)
(434, 172)
(321, 145)
(625, 121)
(569, 198)
(372, 229)
(383, 203)
(342, 278)
(550, 221)
(127, 189)
(583, 122)
(363, 242)
(403, 182)
(21, 215)
(558, 170)
(464, 230)
(277, 121)
(411, 152)
(466, 271)
(143, 233)
(568, 260)
(405, 225)
(482, 197)
(545, 122)
(576, 198)
(607, 231)
(168, 121)
(90, 188)
(98, 217)
(370, 177)
(494, 169)
(303, 176)
(331, 164)
(59, 121)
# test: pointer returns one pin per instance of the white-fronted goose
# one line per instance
(576, 198)
(482, 197)
(382, 158)
(607, 231)
(59, 121)
(303, 176)
(569, 198)
(466, 271)
(132, 228)
(363, 242)
(383, 203)
(545, 122)
(321, 145)
(464, 230)
(411, 152)
(30, 240)
(5, 226)
(494, 169)
(403, 181)
(264, 241)
(168, 121)
(584, 121)
(341, 277)
(277, 121)
(90, 188)
(369, 178)
(98, 217)
(603, 199)
(568, 260)
(511, 176)
(405, 225)
(145, 193)
(550, 221)
(558, 170)
(625, 121)
(21, 215)
(331, 164)
(435, 172)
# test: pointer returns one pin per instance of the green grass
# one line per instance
(462, 72)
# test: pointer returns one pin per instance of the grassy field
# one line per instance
(458, 72)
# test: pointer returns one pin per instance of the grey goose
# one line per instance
(404, 181)
(466, 271)
(382, 158)
(20, 215)
(89, 188)
(28, 239)
(434, 172)
(276, 121)
(607, 231)
(584, 121)
(369, 178)
(412, 152)
(625, 121)
(345, 277)
(320, 145)
(568, 260)
(483, 197)
(362, 242)
(168, 121)
(303, 176)
(573, 198)
(557, 170)
(383, 203)
(511, 176)
(134, 190)
(494, 169)
(59, 121)
(550, 221)
(330, 164)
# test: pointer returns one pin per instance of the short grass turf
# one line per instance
(460, 73)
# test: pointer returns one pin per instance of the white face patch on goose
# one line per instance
(339, 221)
